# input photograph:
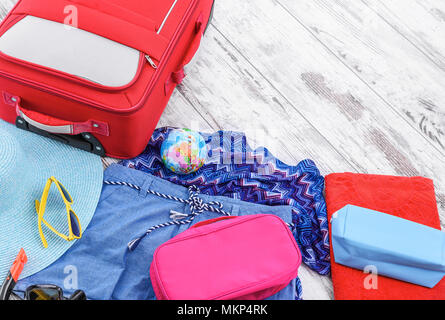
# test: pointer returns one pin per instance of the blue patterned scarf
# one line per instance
(234, 170)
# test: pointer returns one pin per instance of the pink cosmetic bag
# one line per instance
(229, 258)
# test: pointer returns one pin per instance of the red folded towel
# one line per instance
(409, 198)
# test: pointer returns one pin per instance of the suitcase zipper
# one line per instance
(151, 62)
(171, 48)
(78, 79)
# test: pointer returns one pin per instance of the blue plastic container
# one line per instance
(396, 247)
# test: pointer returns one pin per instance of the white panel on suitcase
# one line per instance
(71, 50)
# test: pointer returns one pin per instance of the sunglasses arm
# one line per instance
(78, 295)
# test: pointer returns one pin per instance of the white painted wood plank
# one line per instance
(315, 287)
(422, 22)
(5, 7)
(368, 132)
(388, 63)
(224, 87)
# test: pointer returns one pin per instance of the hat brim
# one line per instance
(82, 175)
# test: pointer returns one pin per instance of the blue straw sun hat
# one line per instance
(26, 162)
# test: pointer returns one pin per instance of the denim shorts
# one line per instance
(101, 264)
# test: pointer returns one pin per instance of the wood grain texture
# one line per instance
(354, 85)
(396, 70)
(421, 22)
(362, 127)
(5, 7)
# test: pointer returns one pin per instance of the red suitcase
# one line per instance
(103, 84)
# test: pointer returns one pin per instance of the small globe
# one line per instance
(184, 151)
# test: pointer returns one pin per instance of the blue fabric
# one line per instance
(233, 169)
(105, 268)
(395, 247)
(27, 161)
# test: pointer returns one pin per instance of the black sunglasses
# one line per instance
(35, 292)
(48, 292)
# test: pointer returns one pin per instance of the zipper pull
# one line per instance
(151, 62)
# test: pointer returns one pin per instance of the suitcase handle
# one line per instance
(58, 126)
(199, 33)
(177, 77)
(84, 141)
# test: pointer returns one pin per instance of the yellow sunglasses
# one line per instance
(75, 230)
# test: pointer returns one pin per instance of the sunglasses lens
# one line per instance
(74, 224)
(65, 193)
(44, 294)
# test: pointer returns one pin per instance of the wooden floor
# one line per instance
(355, 85)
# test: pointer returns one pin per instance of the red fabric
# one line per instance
(132, 112)
(409, 198)
(109, 21)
